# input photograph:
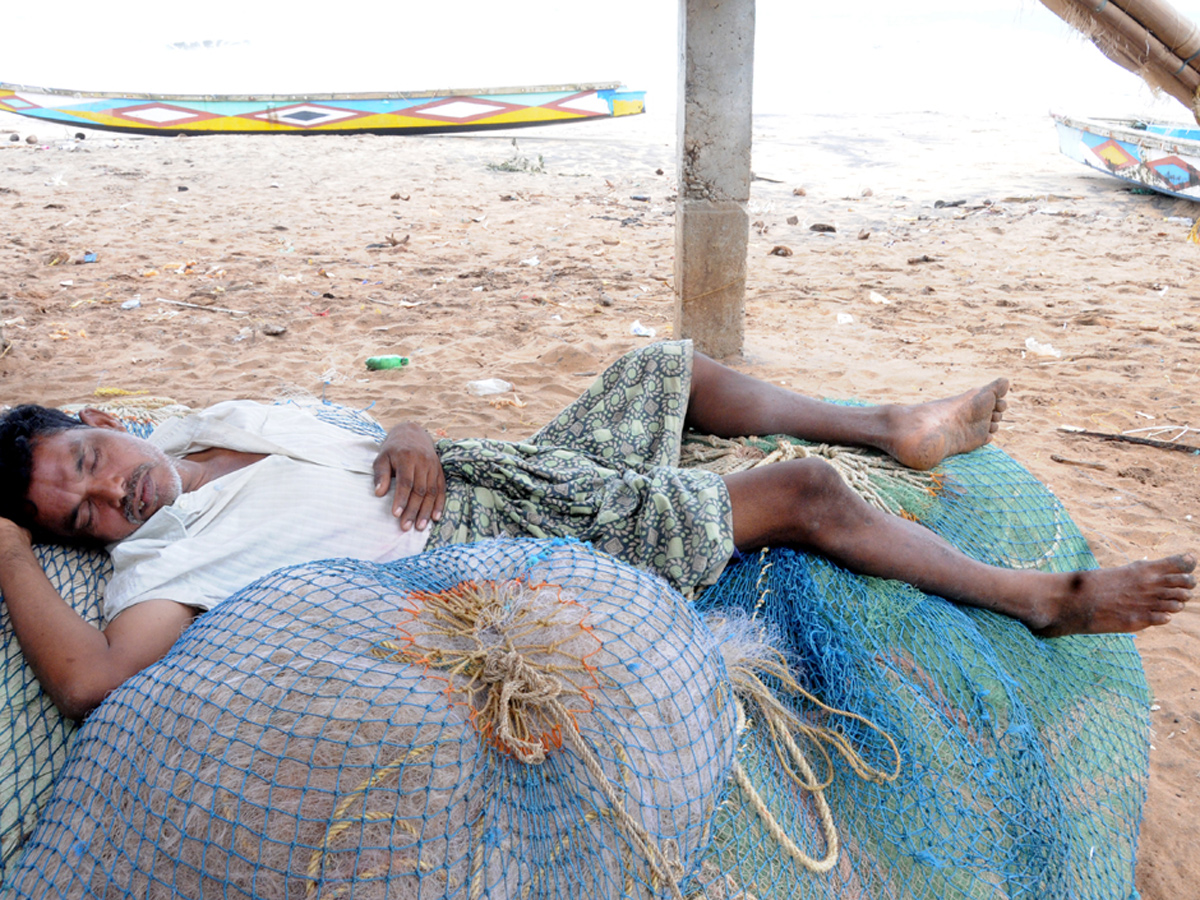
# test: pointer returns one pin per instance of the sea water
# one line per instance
(931, 100)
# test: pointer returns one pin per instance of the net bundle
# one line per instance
(502, 719)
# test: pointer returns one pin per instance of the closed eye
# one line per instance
(84, 512)
(83, 516)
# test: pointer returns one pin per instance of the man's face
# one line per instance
(98, 484)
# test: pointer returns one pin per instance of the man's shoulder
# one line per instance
(230, 424)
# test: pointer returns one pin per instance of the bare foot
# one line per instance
(1128, 598)
(926, 433)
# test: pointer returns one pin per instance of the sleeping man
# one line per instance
(215, 500)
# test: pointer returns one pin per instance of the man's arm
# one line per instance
(76, 663)
(408, 458)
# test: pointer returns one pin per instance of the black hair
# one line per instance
(20, 430)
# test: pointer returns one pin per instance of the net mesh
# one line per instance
(333, 731)
(534, 720)
(1023, 760)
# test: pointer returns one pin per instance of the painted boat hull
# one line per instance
(423, 112)
(1160, 157)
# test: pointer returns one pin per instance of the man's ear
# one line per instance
(98, 418)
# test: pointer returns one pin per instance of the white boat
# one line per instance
(1161, 156)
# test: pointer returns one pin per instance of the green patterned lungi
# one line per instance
(605, 471)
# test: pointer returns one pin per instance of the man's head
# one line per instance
(82, 480)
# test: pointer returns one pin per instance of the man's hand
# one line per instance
(407, 457)
(14, 539)
(76, 663)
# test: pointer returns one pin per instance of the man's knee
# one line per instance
(816, 497)
(790, 503)
(814, 480)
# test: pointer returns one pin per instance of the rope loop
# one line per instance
(517, 687)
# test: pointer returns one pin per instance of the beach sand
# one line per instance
(435, 249)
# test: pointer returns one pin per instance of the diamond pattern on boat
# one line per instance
(160, 114)
(460, 109)
(16, 102)
(305, 115)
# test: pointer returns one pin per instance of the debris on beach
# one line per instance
(1087, 464)
(1037, 348)
(822, 228)
(641, 330)
(514, 400)
(1126, 438)
(487, 386)
(780, 250)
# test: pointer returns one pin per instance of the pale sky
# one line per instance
(869, 55)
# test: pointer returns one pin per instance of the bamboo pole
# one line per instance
(1137, 43)
(1178, 34)
(1129, 44)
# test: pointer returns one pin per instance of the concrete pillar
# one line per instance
(712, 227)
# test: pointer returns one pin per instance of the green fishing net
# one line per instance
(1023, 761)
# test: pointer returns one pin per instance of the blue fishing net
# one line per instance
(340, 730)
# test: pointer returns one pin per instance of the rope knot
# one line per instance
(518, 691)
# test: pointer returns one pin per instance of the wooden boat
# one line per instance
(1160, 156)
(419, 112)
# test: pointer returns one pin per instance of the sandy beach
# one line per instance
(206, 269)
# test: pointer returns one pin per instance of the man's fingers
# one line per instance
(424, 498)
(426, 510)
(402, 501)
(383, 474)
(439, 502)
(415, 494)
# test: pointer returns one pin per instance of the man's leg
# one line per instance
(806, 505)
(726, 403)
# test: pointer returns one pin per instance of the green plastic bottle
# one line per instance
(386, 362)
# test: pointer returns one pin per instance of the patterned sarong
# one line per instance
(604, 471)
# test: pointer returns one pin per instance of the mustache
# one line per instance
(132, 492)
